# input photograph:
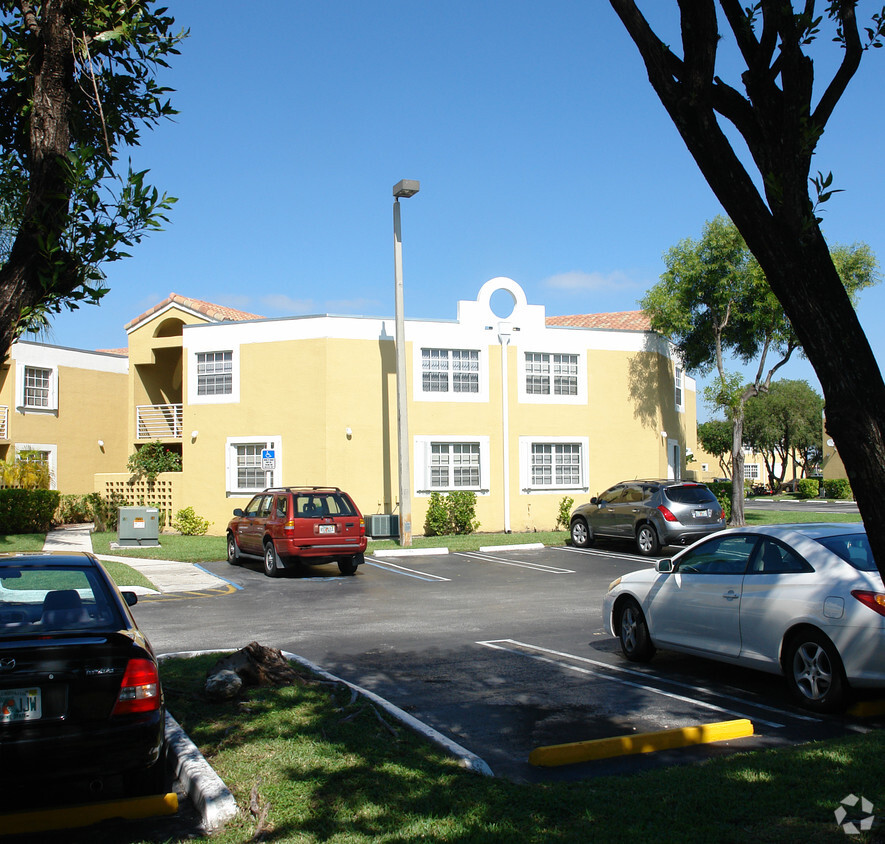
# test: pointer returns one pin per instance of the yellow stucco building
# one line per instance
(521, 408)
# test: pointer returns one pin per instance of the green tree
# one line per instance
(779, 110)
(77, 85)
(151, 459)
(713, 303)
(784, 424)
(715, 438)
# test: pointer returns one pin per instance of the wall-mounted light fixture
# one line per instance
(194, 435)
(101, 444)
(663, 434)
(348, 432)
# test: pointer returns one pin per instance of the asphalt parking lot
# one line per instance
(502, 651)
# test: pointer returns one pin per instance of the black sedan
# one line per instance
(80, 697)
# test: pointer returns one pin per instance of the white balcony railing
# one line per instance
(4, 422)
(158, 421)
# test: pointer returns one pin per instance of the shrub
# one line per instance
(188, 523)
(437, 522)
(151, 459)
(807, 488)
(73, 510)
(105, 510)
(27, 510)
(565, 512)
(722, 491)
(462, 511)
(452, 513)
(837, 488)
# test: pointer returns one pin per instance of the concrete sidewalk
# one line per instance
(167, 575)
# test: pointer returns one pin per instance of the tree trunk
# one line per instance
(737, 468)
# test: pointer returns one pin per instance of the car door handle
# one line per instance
(730, 595)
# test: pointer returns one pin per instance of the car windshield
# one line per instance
(854, 548)
(52, 598)
(317, 505)
(689, 494)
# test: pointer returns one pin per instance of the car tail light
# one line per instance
(140, 689)
(668, 516)
(874, 600)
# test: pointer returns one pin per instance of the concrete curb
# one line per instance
(205, 788)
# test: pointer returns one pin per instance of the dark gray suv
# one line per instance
(650, 512)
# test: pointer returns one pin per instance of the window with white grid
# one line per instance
(537, 374)
(547, 374)
(454, 465)
(450, 371)
(679, 395)
(37, 387)
(556, 464)
(751, 471)
(214, 373)
(246, 471)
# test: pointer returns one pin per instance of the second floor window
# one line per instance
(38, 384)
(450, 371)
(214, 373)
(551, 374)
(679, 404)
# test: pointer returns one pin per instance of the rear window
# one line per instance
(689, 494)
(48, 599)
(854, 548)
(318, 505)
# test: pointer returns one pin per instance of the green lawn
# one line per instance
(325, 768)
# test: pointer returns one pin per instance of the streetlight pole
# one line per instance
(404, 188)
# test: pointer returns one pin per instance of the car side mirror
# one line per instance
(238, 512)
(130, 598)
(594, 500)
(664, 566)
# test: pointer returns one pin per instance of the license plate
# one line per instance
(20, 705)
(327, 529)
(703, 514)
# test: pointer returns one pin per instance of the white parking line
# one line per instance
(592, 552)
(519, 564)
(395, 569)
(520, 649)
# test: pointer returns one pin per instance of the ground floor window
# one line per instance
(751, 471)
(554, 463)
(253, 463)
(451, 464)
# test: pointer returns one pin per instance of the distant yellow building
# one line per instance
(521, 408)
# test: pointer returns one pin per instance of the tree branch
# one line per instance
(850, 63)
(30, 17)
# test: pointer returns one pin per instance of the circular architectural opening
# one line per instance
(502, 302)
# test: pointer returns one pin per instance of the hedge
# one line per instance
(27, 510)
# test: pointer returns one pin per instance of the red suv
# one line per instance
(298, 524)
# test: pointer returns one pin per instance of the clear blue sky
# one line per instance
(542, 152)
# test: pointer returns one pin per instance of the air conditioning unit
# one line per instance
(381, 526)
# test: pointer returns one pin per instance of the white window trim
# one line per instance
(418, 394)
(752, 472)
(230, 462)
(679, 385)
(421, 461)
(551, 398)
(52, 450)
(193, 379)
(525, 463)
(20, 367)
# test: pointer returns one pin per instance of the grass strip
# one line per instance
(316, 765)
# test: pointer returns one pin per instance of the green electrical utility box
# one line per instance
(138, 526)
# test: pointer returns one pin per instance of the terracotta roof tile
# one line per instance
(123, 352)
(216, 313)
(623, 321)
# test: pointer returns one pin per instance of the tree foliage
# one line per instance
(785, 424)
(779, 109)
(715, 438)
(151, 459)
(714, 303)
(77, 86)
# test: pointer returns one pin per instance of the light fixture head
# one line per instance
(406, 187)
(194, 434)
(101, 443)
(664, 434)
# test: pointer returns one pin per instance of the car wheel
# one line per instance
(633, 632)
(647, 540)
(347, 565)
(233, 550)
(271, 560)
(814, 672)
(581, 536)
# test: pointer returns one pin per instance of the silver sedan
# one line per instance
(805, 601)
